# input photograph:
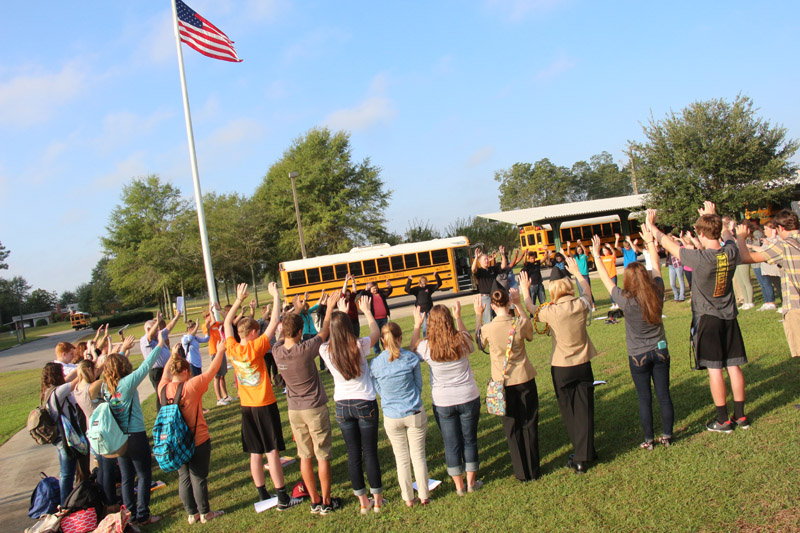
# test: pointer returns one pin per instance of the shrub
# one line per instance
(122, 319)
(41, 322)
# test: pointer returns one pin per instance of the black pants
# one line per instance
(193, 480)
(521, 424)
(575, 394)
(155, 378)
(272, 368)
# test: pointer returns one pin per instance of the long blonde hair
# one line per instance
(392, 336)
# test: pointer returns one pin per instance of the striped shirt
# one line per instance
(786, 253)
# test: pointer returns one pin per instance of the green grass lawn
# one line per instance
(749, 480)
(9, 339)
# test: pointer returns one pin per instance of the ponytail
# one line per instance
(392, 335)
(177, 362)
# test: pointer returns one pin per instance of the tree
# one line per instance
(103, 298)
(482, 230)
(41, 300)
(4, 253)
(421, 230)
(83, 295)
(601, 177)
(341, 201)
(714, 150)
(66, 298)
(525, 185)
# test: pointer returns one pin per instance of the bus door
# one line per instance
(462, 259)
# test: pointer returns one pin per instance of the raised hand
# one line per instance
(364, 304)
(514, 295)
(478, 304)
(647, 235)
(127, 344)
(595, 246)
(253, 304)
(524, 282)
(572, 266)
(741, 230)
(709, 208)
(456, 309)
(341, 305)
(273, 289)
(419, 316)
(241, 292)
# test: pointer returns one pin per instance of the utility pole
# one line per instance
(633, 170)
(292, 176)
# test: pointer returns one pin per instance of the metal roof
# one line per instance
(521, 217)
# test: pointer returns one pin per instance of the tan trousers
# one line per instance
(407, 436)
(791, 325)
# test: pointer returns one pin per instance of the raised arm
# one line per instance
(747, 255)
(572, 267)
(171, 323)
(216, 363)
(241, 294)
(616, 243)
(517, 257)
(438, 283)
(525, 289)
(635, 244)
(389, 288)
(658, 235)
(276, 310)
(601, 269)
(325, 331)
(344, 285)
(462, 327)
(503, 258)
(365, 305)
(650, 247)
(419, 318)
(408, 285)
(475, 260)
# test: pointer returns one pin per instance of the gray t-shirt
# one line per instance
(298, 368)
(640, 335)
(452, 382)
(712, 281)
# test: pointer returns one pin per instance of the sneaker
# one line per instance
(193, 519)
(335, 505)
(780, 310)
(476, 487)
(291, 503)
(713, 425)
(767, 307)
(316, 508)
(741, 423)
(223, 402)
(209, 516)
(746, 307)
(370, 504)
(229, 399)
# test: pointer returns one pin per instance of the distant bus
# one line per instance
(449, 257)
(80, 320)
(538, 239)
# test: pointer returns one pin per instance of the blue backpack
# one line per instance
(173, 443)
(45, 498)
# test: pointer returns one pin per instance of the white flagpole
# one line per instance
(198, 196)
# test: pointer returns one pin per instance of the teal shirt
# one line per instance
(125, 401)
(583, 264)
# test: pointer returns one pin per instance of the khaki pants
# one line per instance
(407, 436)
(791, 325)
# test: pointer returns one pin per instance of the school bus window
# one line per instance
(538, 238)
(355, 268)
(369, 267)
(550, 236)
(615, 227)
(341, 270)
(383, 264)
(608, 230)
(439, 257)
(327, 273)
(634, 226)
(397, 262)
(587, 232)
(597, 229)
(313, 275)
(424, 259)
(566, 235)
(298, 277)
(411, 260)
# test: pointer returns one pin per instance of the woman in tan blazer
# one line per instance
(570, 368)
(521, 421)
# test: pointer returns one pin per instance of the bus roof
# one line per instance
(373, 252)
(588, 221)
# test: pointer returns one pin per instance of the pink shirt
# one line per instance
(378, 307)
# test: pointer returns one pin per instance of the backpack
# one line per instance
(41, 425)
(104, 434)
(45, 497)
(87, 495)
(173, 443)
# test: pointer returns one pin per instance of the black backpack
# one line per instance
(87, 495)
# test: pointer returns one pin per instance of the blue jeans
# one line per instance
(358, 420)
(459, 427)
(136, 463)
(107, 478)
(537, 291)
(678, 291)
(67, 477)
(766, 287)
(379, 345)
(644, 367)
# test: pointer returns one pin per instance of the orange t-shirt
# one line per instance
(191, 406)
(214, 336)
(255, 388)
(610, 263)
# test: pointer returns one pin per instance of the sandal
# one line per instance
(370, 505)
(411, 503)
(211, 515)
(647, 445)
(665, 441)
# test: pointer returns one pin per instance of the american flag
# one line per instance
(203, 36)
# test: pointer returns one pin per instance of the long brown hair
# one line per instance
(392, 335)
(80, 349)
(345, 355)
(639, 285)
(52, 376)
(445, 342)
(115, 368)
(177, 363)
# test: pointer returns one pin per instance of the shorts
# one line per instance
(196, 370)
(312, 432)
(223, 368)
(718, 343)
(261, 429)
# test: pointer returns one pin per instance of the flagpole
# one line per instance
(198, 196)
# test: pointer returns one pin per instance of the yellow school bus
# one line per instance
(80, 320)
(450, 258)
(539, 239)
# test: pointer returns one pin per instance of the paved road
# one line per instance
(36, 353)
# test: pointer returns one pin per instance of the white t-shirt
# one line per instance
(360, 388)
(452, 382)
(67, 368)
(648, 264)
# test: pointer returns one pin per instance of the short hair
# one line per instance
(561, 287)
(788, 219)
(709, 225)
(246, 325)
(189, 324)
(292, 325)
(148, 325)
(423, 277)
(206, 313)
(63, 347)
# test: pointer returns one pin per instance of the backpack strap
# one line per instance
(511, 334)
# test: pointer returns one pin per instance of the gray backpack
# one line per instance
(41, 425)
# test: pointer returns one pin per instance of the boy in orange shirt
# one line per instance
(261, 421)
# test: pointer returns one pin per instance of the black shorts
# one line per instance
(223, 368)
(718, 343)
(261, 429)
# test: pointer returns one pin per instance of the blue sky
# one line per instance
(439, 94)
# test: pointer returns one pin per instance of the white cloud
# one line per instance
(131, 167)
(558, 66)
(121, 127)
(46, 165)
(34, 97)
(376, 108)
(517, 10)
(315, 44)
(480, 156)
(235, 132)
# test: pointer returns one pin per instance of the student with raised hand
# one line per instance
(193, 476)
(506, 336)
(308, 402)
(212, 328)
(642, 301)
(485, 276)
(570, 365)
(582, 258)
(350, 297)
(423, 294)
(455, 394)
(120, 390)
(355, 398)
(148, 342)
(191, 347)
(397, 377)
(261, 421)
(716, 335)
